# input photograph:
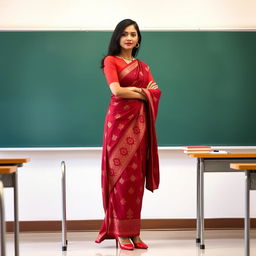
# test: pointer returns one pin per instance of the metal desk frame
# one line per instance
(11, 180)
(209, 164)
(64, 211)
(250, 184)
(2, 223)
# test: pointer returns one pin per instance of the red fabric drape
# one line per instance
(129, 155)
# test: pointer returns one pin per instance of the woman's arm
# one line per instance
(126, 93)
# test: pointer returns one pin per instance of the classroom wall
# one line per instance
(40, 188)
(39, 181)
(100, 14)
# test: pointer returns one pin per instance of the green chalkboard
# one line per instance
(53, 93)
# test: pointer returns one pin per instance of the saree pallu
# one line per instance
(129, 155)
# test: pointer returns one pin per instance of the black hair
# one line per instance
(114, 45)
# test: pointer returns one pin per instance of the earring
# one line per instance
(137, 45)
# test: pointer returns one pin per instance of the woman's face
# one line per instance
(129, 38)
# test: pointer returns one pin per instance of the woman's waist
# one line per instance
(124, 107)
(114, 101)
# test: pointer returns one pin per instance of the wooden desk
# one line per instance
(9, 178)
(213, 162)
(250, 184)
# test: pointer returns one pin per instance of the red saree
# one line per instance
(129, 155)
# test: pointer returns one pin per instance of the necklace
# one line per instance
(126, 59)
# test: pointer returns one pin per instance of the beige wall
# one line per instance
(39, 181)
(102, 14)
(40, 188)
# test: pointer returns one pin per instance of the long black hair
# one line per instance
(114, 45)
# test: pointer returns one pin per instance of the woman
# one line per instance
(129, 146)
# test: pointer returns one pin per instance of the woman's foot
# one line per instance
(138, 243)
(124, 243)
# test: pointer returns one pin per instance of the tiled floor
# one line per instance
(161, 243)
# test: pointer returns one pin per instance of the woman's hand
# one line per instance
(152, 85)
(126, 92)
(134, 89)
(131, 88)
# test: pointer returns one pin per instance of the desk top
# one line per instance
(14, 160)
(219, 155)
(243, 166)
(7, 169)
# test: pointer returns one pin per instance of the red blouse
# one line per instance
(113, 65)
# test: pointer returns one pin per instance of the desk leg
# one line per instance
(247, 214)
(198, 202)
(16, 213)
(202, 246)
(64, 216)
(2, 224)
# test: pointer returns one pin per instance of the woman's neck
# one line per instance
(126, 55)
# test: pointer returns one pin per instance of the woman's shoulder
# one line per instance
(110, 59)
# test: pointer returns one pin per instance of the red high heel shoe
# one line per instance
(139, 245)
(124, 246)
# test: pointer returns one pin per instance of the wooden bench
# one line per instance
(7, 169)
(250, 184)
(213, 162)
(243, 166)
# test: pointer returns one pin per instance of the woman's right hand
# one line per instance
(152, 85)
(134, 89)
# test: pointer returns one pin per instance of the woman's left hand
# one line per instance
(152, 85)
